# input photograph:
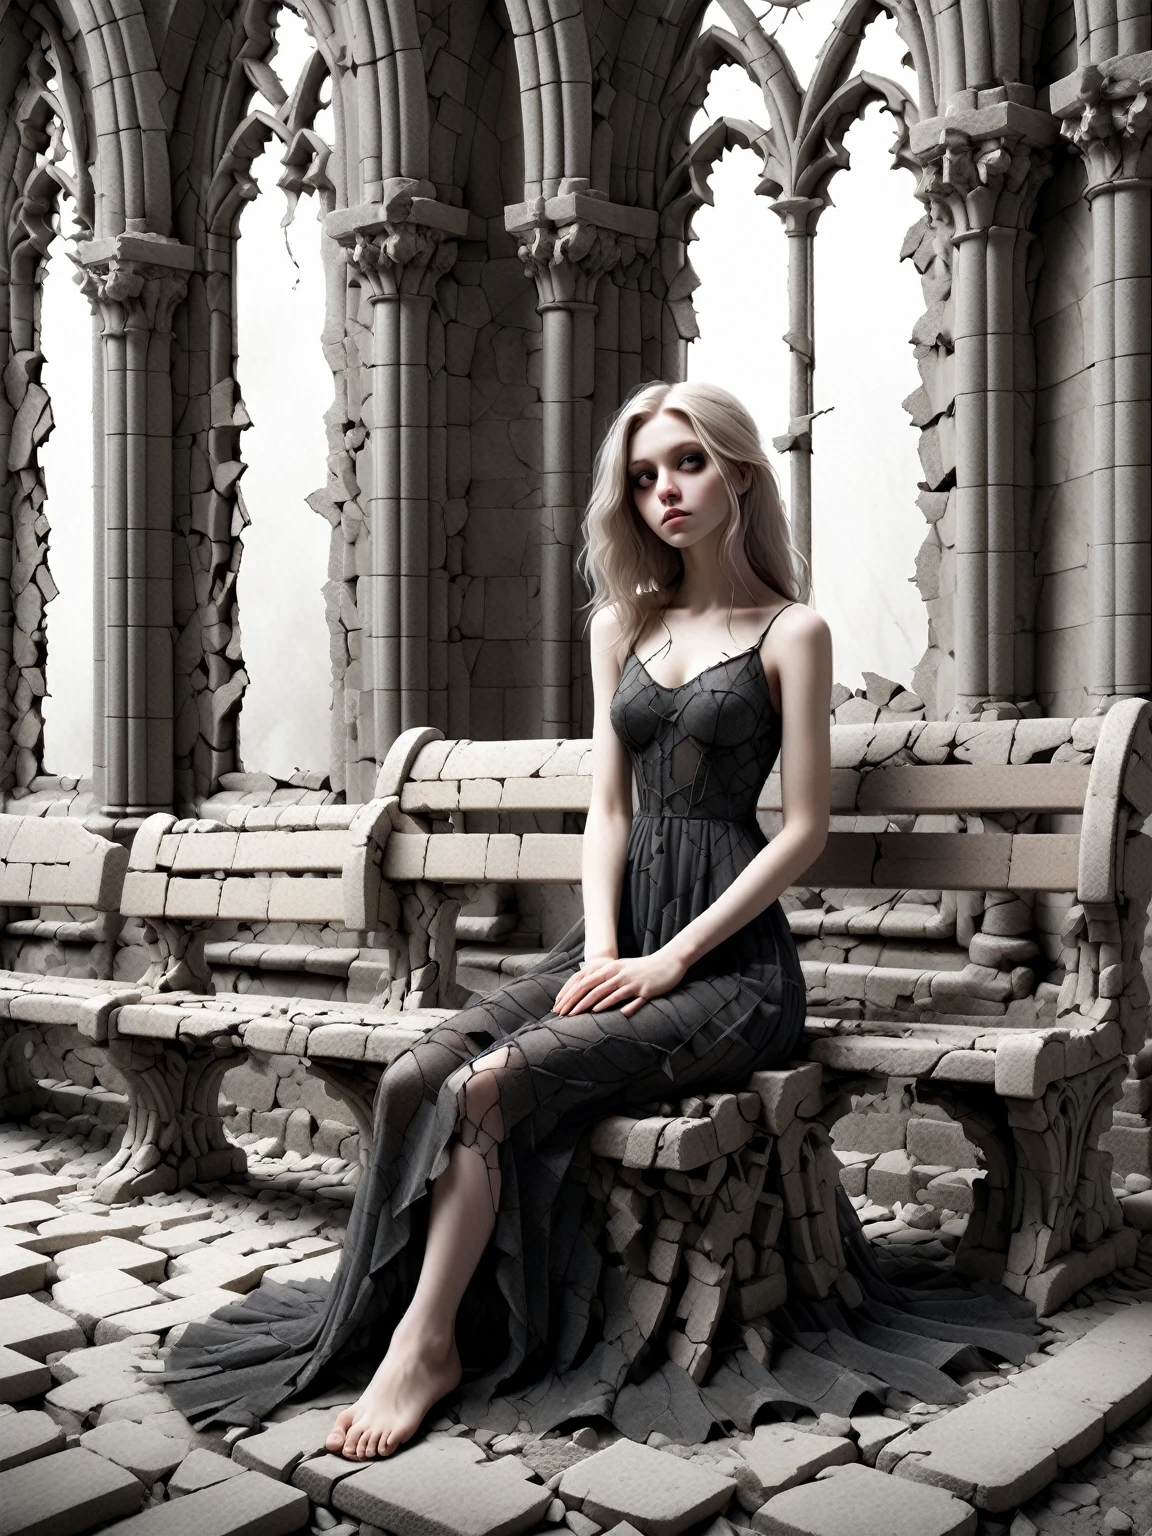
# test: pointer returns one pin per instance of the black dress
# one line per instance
(701, 753)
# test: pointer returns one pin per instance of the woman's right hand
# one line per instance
(572, 988)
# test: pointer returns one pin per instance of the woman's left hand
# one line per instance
(601, 984)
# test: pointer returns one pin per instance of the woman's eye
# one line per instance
(693, 460)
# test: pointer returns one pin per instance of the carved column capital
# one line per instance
(1105, 111)
(568, 242)
(402, 244)
(134, 281)
(982, 167)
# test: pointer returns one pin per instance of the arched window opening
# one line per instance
(740, 257)
(287, 389)
(866, 528)
(834, 325)
(66, 460)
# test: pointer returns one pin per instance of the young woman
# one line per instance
(680, 978)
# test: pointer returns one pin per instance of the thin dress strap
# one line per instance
(772, 621)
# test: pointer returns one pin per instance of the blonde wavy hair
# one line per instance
(626, 565)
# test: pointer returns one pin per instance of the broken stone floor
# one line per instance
(91, 1298)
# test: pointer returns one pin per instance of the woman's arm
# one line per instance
(802, 647)
(609, 816)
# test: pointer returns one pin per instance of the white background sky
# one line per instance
(866, 527)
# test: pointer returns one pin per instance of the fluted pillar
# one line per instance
(400, 247)
(982, 169)
(134, 283)
(1108, 118)
(567, 243)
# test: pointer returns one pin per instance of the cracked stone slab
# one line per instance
(21, 1377)
(27, 1437)
(145, 1452)
(444, 1488)
(866, 1503)
(33, 1329)
(996, 1451)
(780, 1455)
(248, 1505)
(21, 1271)
(318, 1475)
(111, 1253)
(1109, 1368)
(661, 1495)
(201, 1469)
(279, 1450)
(82, 1490)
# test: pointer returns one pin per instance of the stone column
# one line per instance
(567, 243)
(983, 167)
(799, 216)
(400, 246)
(1107, 118)
(134, 283)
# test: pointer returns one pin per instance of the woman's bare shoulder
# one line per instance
(606, 627)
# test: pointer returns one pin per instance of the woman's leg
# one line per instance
(422, 1363)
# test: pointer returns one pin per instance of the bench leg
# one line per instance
(176, 955)
(356, 1083)
(424, 952)
(1067, 1226)
(175, 1135)
(984, 1120)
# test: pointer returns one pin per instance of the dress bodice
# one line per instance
(702, 750)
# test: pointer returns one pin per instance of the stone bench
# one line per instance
(172, 1040)
(1030, 1069)
(71, 878)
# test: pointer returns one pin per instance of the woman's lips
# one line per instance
(675, 517)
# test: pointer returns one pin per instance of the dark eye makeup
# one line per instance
(693, 457)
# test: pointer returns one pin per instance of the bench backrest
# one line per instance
(56, 861)
(882, 774)
(299, 863)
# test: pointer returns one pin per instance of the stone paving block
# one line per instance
(873, 1433)
(35, 1330)
(659, 1494)
(318, 1475)
(121, 1357)
(248, 1505)
(323, 1267)
(82, 1490)
(21, 1271)
(111, 1253)
(90, 1298)
(1109, 1368)
(444, 1488)
(864, 1502)
(21, 1377)
(87, 1392)
(159, 1318)
(145, 1453)
(278, 1450)
(201, 1469)
(34, 1186)
(26, 1213)
(997, 1450)
(780, 1455)
(27, 1437)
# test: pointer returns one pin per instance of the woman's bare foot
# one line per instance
(414, 1374)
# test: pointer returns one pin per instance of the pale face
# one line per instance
(675, 484)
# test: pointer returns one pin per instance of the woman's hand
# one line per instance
(602, 981)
